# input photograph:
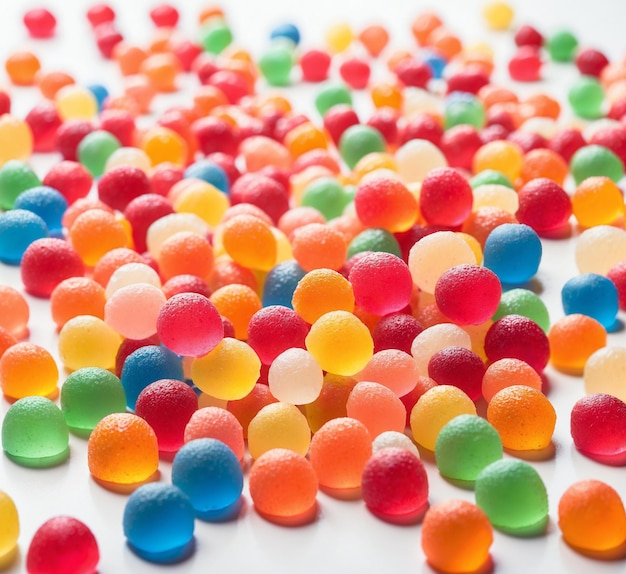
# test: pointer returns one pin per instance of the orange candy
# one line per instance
(139, 90)
(375, 38)
(339, 451)
(218, 423)
(261, 151)
(237, 303)
(315, 246)
(162, 71)
(22, 68)
(392, 368)
(27, 370)
(541, 106)
(304, 138)
(298, 217)
(129, 58)
(185, 253)
(95, 233)
(491, 95)
(573, 339)
(523, 417)
(484, 220)
(377, 407)
(6, 340)
(164, 145)
(386, 94)
(283, 484)
(331, 403)
(225, 271)
(76, 296)
(423, 25)
(592, 517)
(206, 98)
(445, 42)
(321, 291)
(14, 312)
(113, 260)
(50, 83)
(597, 201)
(543, 162)
(250, 242)
(456, 537)
(503, 156)
(506, 373)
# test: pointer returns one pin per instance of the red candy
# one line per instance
(591, 62)
(355, 72)
(215, 135)
(617, 274)
(381, 282)
(395, 484)
(518, 337)
(186, 284)
(69, 135)
(459, 144)
(40, 23)
(164, 15)
(167, 406)
(142, 212)
(61, 545)
(164, 176)
(315, 65)
(120, 123)
(119, 186)
(44, 121)
(396, 332)
(263, 192)
(423, 127)
(338, 119)
(385, 120)
(413, 72)
(598, 427)
(446, 197)
(469, 80)
(528, 36)
(567, 143)
(275, 329)
(459, 367)
(468, 294)
(99, 14)
(613, 138)
(47, 262)
(544, 205)
(107, 37)
(525, 65)
(190, 325)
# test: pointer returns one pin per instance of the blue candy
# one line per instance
(593, 295)
(147, 365)
(280, 283)
(435, 62)
(288, 30)
(513, 252)
(47, 202)
(100, 93)
(18, 229)
(208, 472)
(210, 172)
(159, 523)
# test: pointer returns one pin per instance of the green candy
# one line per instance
(276, 64)
(88, 395)
(35, 434)
(465, 446)
(489, 177)
(331, 95)
(374, 239)
(526, 303)
(358, 141)
(562, 46)
(464, 109)
(15, 178)
(95, 149)
(513, 496)
(215, 36)
(326, 195)
(586, 97)
(591, 160)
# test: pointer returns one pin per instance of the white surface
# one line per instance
(346, 537)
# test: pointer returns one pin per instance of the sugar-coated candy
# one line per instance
(395, 484)
(445, 197)
(339, 451)
(189, 324)
(327, 195)
(381, 282)
(133, 310)
(591, 516)
(217, 423)
(434, 409)
(544, 205)
(573, 339)
(159, 523)
(377, 407)
(331, 402)
(396, 331)
(9, 531)
(278, 425)
(46, 262)
(18, 229)
(245, 409)
(185, 284)
(513, 253)
(394, 439)
(122, 450)
(459, 367)
(63, 544)
(603, 372)
(392, 368)
(14, 312)
(526, 303)
(228, 371)
(94, 233)
(295, 377)
(514, 336)
(456, 537)
(597, 201)
(209, 473)
(507, 372)
(121, 184)
(76, 296)
(595, 160)
(238, 303)
(586, 96)
(167, 405)
(16, 139)
(465, 446)
(95, 149)
(513, 496)
(27, 369)
(283, 485)
(46, 202)
(593, 295)
(374, 239)
(35, 434)
(416, 158)
(435, 338)
(88, 395)
(599, 248)
(523, 416)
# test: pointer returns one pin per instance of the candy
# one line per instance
(95, 149)
(513, 496)
(209, 473)
(513, 253)
(396, 331)
(238, 303)
(544, 205)
(445, 197)
(603, 371)
(159, 523)
(96, 232)
(586, 97)
(600, 248)
(595, 160)
(377, 407)
(283, 485)
(505, 373)
(456, 536)
(15, 178)
(395, 484)
(435, 338)
(62, 544)
(186, 252)
(321, 291)
(597, 201)
(281, 282)
(459, 367)
(217, 423)
(46, 202)
(295, 377)
(394, 439)
(26, 369)
(131, 274)
(562, 45)
(35, 434)
(374, 239)
(523, 302)
(573, 339)
(592, 517)
(465, 446)
(122, 450)
(393, 368)
(18, 229)
(10, 531)
(593, 295)
(416, 158)
(121, 310)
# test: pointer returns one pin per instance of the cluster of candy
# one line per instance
(228, 279)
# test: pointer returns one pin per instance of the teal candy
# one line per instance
(35, 434)
(465, 446)
(513, 496)
(88, 395)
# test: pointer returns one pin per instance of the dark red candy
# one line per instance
(591, 62)
(413, 72)
(396, 332)
(528, 141)
(5, 102)
(385, 120)
(142, 212)
(423, 127)
(459, 367)
(215, 135)
(544, 205)
(470, 80)
(121, 184)
(528, 36)
(598, 428)
(107, 37)
(567, 142)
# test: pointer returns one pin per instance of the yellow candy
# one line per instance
(9, 530)
(278, 425)
(498, 15)
(16, 139)
(76, 103)
(339, 36)
(203, 200)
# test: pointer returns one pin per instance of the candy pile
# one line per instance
(274, 303)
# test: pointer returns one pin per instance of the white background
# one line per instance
(346, 537)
